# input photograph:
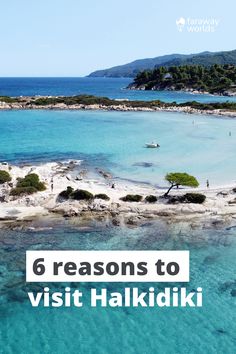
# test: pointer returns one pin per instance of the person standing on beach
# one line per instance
(52, 186)
(207, 183)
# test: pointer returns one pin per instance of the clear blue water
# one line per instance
(210, 329)
(108, 87)
(115, 141)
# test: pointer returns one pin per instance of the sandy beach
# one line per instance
(218, 208)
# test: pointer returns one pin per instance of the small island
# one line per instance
(90, 102)
(214, 79)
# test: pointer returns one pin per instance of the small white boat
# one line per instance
(152, 145)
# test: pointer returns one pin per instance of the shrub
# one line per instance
(78, 194)
(28, 185)
(19, 191)
(7, 99)
(196, 198)
(174, 199)
(81, 194)
(151, 198)
(4, 177)
(132, 198)
(66, 194)
(31, 180)
(102, 196)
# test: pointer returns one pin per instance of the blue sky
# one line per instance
(75, 37)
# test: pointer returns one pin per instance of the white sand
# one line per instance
(42, 203)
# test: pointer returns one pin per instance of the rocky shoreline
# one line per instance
(218, 209)
(30, 103)
(134, 87)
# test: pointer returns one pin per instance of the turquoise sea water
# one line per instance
(109, 87)
(115, 141)
(210, 329)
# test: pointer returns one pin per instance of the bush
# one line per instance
(80, 194)
(66, 194)
(196, 198)
(174, 199)
(31, 180)
(28, 185)
(101, 196)
(151, 199)
(19, 191)
(132, 198)
(7, 99)
(4, 177)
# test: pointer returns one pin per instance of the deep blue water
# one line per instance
(108, 87)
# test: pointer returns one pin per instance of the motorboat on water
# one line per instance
(152, 145)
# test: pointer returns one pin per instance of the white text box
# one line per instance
(118, 266)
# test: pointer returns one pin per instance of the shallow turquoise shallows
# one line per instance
(115, 141)
(210, 329)
(200, 145)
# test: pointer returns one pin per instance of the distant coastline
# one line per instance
(131, 69)
(195, 91)
(198, 79)
(88, 102)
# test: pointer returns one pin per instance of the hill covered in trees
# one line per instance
(133, 68)
(220, 79)
(206, 59)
